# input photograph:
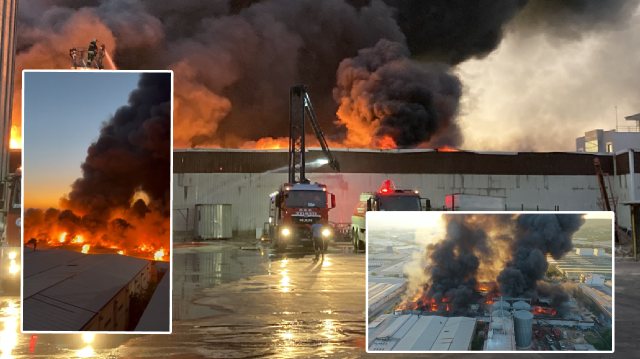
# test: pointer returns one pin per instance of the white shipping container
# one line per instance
(470, 202)
(213, 221)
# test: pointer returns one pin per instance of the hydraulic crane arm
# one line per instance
(301, 105)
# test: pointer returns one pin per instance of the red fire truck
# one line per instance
(11, 236)
(388, 198)
(299, 204)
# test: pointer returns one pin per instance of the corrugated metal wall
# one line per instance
(401, 161)
(248, 192)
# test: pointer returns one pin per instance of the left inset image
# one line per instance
(96, 253)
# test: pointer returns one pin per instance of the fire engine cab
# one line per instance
(388, 198)
(294, 209)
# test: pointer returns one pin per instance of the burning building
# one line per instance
(508, 249)
(121, 204)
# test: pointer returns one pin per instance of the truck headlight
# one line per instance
(12, 255)
(286, 232)
(14, 268)
(326, 232)
(19, 222)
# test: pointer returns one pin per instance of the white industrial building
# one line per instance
(574, 266)
(383, 289)
(422, 333)
(530, 181)
(70, 291)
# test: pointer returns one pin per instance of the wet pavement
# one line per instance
(237, 300)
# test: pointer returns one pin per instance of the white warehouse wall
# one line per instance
(249, 193)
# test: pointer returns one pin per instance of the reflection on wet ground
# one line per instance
(237, 303)
(230, 302)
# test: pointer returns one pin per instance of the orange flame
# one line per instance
(78, 239)
(62, 237)
(16, 139)
(121, 252)
(447, 149)
(386, 143)
(85, 248)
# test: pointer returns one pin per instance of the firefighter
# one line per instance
(93, 47)
(72, 54)
(318, 241)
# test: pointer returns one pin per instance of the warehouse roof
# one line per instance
(156, 316)
(425, 333)
(410, 161)
(601, 295)
(63, 289)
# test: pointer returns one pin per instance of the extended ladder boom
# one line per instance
(301, 105)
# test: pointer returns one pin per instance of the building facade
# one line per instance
(530, 181)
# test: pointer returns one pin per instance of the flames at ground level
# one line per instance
(486, 294)
(78, 243)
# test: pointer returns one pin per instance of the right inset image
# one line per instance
(490, 281)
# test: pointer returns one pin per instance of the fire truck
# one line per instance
(388, 198)
(11, 242)
(299, 204)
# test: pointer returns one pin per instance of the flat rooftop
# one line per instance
(601, 294)
(422, 333)
(585, 264)
(156, 316)
(63, 290)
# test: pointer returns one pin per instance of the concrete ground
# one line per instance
(233, 299)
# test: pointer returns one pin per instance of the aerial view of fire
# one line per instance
(121, 202)
(483, 257)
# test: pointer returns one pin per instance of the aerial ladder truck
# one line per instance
(299, 204)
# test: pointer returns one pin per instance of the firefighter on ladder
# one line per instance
(93, 47)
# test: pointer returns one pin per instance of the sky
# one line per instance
(63, 114)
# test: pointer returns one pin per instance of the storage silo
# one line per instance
(501, 305)
(521, 305)
(501, 313)
(523, 324)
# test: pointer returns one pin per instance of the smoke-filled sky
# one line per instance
(63, 115)
(541, 71)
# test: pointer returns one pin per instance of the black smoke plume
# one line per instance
(535, 237)
(382, 92)
(131, 154)
(455, 261)
(130, 158)
(234, 60)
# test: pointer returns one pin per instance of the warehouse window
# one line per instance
(107, 323)
(609, 147)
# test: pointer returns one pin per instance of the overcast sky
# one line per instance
(63, 114)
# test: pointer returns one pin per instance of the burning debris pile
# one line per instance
(508, 252)
(122, 202)
(372, 62)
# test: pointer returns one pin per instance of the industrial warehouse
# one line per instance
(71, 291)
(245, 179)
(584, 261)
(502, 326)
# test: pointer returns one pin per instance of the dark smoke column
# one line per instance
(535, 237)
(455, 261)
(132, 153)
(383, 94)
